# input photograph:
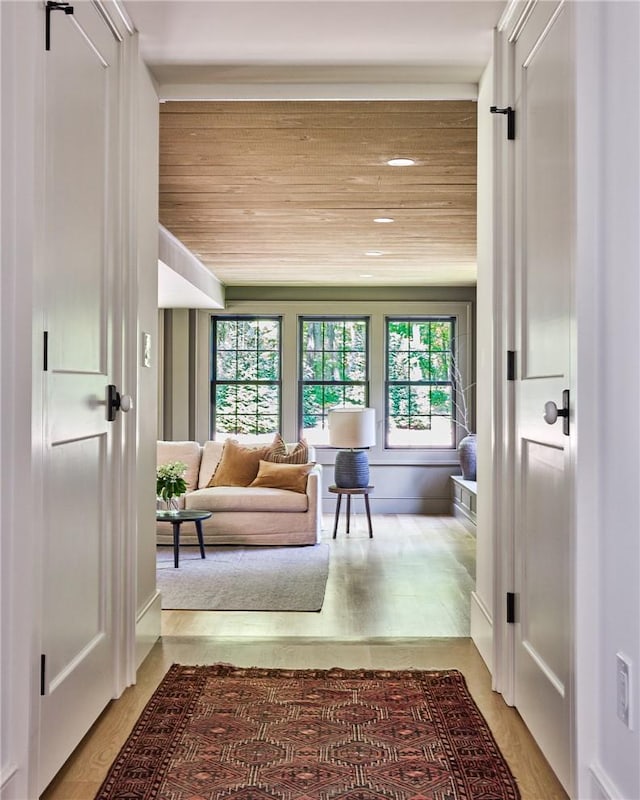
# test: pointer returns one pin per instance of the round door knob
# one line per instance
(550, 412)
(126, 402)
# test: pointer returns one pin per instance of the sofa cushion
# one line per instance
(238, 465)
(292, 477)
(187, 452)
(243, 498)
(280, 453)
(211, 452)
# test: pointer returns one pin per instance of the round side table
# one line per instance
(339, 490)
(176, 518)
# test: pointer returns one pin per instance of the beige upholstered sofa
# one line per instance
(241, 514)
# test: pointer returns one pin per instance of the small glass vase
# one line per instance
(170, 504)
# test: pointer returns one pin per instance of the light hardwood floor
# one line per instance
(393, 602)
(414, 578)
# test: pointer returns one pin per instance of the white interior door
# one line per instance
(81, 85)
(544, 453)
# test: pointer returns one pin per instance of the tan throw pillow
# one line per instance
(279, 454)
(238, 465)
(283, 476)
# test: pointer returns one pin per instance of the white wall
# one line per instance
(18, 542)
(608, 423)
(483, 597)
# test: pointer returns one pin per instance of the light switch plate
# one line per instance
(623, 689)
(146, 349)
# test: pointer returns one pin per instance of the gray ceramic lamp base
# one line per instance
(351, 469)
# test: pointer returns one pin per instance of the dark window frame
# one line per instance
(388, 383)
(302, 319)
(214, 382)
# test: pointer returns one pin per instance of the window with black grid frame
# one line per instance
(246, 383)
(334, 370)
(420, 400)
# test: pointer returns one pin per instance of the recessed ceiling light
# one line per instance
(401, 162)
(366, 275)
(383, 219)
(373, 253)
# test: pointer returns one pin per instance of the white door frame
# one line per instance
(504, 394)
(20, 600)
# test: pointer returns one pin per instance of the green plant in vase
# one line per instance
(170, 483)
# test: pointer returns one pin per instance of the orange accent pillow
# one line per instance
(238, 464)
(283, 476)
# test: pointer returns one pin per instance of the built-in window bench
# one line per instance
(464, 496)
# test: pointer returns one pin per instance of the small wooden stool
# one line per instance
(339, 490)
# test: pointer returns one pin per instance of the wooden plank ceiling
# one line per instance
(286, 193)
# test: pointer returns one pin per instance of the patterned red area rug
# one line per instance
(229, 733)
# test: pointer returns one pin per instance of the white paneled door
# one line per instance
(81, 302)
(544, 449)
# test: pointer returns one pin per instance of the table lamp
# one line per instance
(352, 428)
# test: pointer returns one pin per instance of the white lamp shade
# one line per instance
(352, 427)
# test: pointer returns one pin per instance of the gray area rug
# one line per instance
(244, 578)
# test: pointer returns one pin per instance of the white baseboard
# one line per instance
(602, 787)
(148, 627)
(433, 506)
(7, 774)
(482, 630)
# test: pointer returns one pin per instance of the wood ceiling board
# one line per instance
(363, 216)
(242, 262)
(342, 108)
(289, 188)
(343, 278)
(327, 139)
(255, 243)
(437, 197)
(335, 121)
(208, 179)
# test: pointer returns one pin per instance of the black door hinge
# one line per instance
(511, 607)
(43, 685)
(53, 6)
(511, 365)
(511, 119)
(45, 350)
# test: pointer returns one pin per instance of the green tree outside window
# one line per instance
(420, 386)
(333, 370)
